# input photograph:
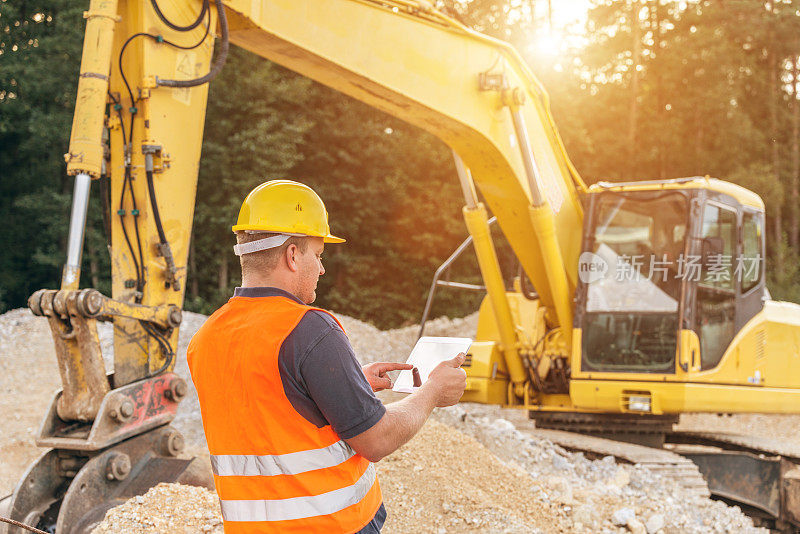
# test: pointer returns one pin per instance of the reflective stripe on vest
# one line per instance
(299, 507)
(226, 465)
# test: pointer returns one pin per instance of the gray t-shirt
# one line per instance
(320, 373)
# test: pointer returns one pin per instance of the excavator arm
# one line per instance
(143, 81)
(403, 57)
(473, 92)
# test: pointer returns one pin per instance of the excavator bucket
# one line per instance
(69, 492)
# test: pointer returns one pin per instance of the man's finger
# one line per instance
(382, 383)
(458, 361)
(384, 367)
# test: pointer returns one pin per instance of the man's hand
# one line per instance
(404, 418)
(447, 381)
(376, 373)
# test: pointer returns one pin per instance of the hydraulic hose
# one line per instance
(219, 62)
(176, 27)
(156, 215)
(21, 525)
(163, 246)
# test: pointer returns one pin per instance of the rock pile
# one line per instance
(169, 508)
(596, 495)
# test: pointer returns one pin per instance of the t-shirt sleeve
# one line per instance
(337, 385)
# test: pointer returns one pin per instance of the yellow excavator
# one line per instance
(636, 301)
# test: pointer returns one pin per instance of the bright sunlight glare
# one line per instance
(563, 27)
(547, 44)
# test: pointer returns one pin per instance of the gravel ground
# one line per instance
(468, 470)
(596, 495)
(172, 508)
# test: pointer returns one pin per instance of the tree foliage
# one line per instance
(661, 89)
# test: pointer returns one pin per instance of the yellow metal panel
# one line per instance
(671, 397)
(487, 374)
(575, 355)
(688, 353)
(775, 363)
(553, 403)
(777, 353)
(175, 118)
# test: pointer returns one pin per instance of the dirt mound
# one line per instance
(446, 481)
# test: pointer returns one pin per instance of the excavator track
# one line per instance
(663, 462)
(767, 473)
(741, 442)
(760, 475)
(648, 430)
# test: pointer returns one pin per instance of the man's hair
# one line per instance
(266, 260)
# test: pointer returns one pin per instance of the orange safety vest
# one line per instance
(274, 471)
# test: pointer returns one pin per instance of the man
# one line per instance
(291, 419)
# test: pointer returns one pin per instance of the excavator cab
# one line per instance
(631, 284)
(671, 290)
(658, 261)
(670, 311)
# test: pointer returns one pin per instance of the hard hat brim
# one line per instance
(326, 239)
(332, 239)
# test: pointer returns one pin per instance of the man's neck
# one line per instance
(267, 281)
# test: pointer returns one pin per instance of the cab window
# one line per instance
(718, 247)
(748, 265)
(716, 299)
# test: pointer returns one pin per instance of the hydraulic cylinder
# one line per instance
(86, 139)
(543, 222)
(71, 276)
(478, 227)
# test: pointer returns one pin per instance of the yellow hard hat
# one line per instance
(285, 207)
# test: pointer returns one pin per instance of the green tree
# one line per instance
(392, 191)
(254, 125)
(40, 46)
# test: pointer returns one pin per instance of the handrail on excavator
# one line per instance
(444, 268)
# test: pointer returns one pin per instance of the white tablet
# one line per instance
(427, 354)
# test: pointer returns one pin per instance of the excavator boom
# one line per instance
(422, 67)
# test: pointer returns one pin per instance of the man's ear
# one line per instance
(291, 257)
